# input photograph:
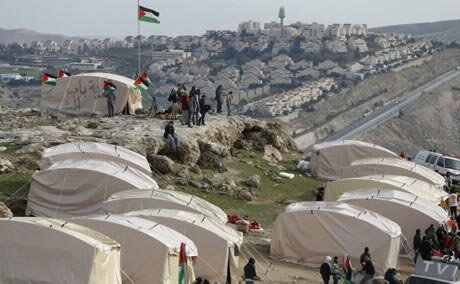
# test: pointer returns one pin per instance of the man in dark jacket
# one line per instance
(219, 93)
(325, 269)
(250, 271)
(203, 110)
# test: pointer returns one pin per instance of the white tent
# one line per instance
(95, 151)
(414, 186)
(73, 188)
(133, 200)
(149, 251)
(48, 251)
(405, 209)
(216, 242)
(329, 157)
(82, 94)
(309, 231)
(392, 166)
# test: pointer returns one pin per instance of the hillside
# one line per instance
(28, 36)
(432, 122)
(443, 30)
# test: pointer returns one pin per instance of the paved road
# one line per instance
(390, 110)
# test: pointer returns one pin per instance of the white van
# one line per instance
(442, 164)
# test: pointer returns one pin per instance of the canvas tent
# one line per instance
(218, 244)
(309, 231)
(48, 251)
(414, 186)
(73, 188)
(133, 200)
(82, 94)
(329, 157)
(405, 209)
(149, 251)
(95, 151)
(391, 166)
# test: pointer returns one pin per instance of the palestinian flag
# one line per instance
(62, 74)
(141, 84)
(145, 77)
(108, 87)
(48, 79)
(183, 277)
(148, 15)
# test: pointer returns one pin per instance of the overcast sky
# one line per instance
(119, 17)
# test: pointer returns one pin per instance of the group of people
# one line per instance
(331, 269)
(441, 241)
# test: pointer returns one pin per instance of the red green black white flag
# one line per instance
(148, 15)
(141, 84)
(48, 79)
(183, 277)
(63, 74)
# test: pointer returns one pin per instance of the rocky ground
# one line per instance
(234, 163)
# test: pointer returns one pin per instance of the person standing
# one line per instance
(109, 92)
(250, 271)
(219, 93)
(174, 101)
(203, 109)
(453, 204)
(171, 135)
(325, 270)
(229, 103)
(335, 270)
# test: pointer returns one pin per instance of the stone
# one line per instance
(196, 169)
(161, 163)
(272, 154)
(5, 212)
(254, 181)
(29, 163)
(5, 166)
(183, 172)
(198, 184)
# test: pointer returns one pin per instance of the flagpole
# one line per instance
(138, 40)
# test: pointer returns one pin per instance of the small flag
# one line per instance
(141, 84)
(63, 74)
(183, 277)
(108, 87)
(145, 76)
(148, 15)
(48, 79)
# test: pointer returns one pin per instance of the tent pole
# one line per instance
(138, 41)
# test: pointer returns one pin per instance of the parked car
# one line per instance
(442, 164)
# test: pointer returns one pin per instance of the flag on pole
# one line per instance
(148, 15)
(62, 74)
(183, 277)
(145, 77)
(108, 87)
(48, 79)
(141, 84)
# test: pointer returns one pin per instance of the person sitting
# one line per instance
(250, 271)
(392, 276)
(171, 135)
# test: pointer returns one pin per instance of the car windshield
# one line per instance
(417, 280)
(452, 164)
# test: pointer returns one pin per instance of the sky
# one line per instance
(118, 18)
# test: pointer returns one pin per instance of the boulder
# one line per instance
(5, 166)
(183, 172)
(272, 154)
(5, 212)
(254, 181)
(161, 163)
